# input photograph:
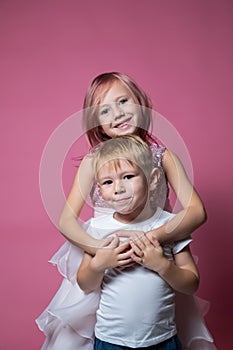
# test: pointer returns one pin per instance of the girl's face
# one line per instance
(118, 112)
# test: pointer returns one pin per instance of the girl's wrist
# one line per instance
(93, 246)
(154, 234)
(164, 267)
(159, 234)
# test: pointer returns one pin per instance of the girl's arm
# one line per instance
(193, 214)
(91, 271)
(68, 224)
(181, 274)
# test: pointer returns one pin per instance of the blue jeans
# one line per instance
(169, 344)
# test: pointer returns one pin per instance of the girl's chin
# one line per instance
(124, 131)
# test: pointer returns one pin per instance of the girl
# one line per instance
(114, 105)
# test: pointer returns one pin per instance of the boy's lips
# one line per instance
(122, 200)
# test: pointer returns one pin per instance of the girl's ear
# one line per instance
(154, 179)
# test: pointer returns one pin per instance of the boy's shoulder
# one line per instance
(101, 219)
(101, 226)
(177, 246)
(161, 216)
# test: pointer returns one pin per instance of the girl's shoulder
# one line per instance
(158, 152)
(85, 156)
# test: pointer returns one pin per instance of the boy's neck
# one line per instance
(133, 218)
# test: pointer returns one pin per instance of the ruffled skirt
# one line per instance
(68, 321)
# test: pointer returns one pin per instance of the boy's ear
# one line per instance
(154, 179)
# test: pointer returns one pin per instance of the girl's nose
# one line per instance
(117, 111)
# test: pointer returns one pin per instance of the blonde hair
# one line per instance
(130, 148)
(94, 96)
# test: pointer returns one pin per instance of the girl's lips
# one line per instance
(123, 124)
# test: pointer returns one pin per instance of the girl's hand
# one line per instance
(112, 254)
(149, 253)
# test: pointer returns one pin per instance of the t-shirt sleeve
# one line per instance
(95, 227)
(87, 226)
(180, 245)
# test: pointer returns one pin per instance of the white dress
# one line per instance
(69, 319)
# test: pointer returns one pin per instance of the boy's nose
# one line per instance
(119, 187)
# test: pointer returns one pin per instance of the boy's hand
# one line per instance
(112, 254)
(149, 253)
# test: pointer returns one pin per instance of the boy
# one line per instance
(136, 307)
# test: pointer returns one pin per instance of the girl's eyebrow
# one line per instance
(121, 96)
(103, 106)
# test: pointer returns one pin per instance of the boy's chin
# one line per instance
(125, 213)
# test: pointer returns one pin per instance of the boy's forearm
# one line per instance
(180, 279)
(89, 278)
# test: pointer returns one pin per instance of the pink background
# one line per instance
(181, 53)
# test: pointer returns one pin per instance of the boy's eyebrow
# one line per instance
(104, 177)
(123, 173)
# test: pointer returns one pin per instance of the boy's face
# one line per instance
(124, 187)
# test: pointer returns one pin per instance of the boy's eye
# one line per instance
(128, 176)
(106, 182)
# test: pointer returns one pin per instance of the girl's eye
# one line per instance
(123, 101)
(104, 111)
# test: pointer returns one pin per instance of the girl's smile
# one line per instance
(123, 124)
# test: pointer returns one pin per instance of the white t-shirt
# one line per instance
(136, 306)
